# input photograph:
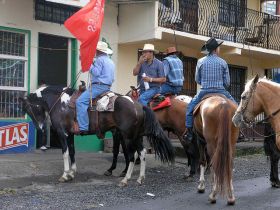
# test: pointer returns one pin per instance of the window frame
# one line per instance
(25, 58)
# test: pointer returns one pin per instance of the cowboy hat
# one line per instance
(211, 45)
(170, 50)
(103, 47)
(149, 47)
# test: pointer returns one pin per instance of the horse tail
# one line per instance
(222, 159)
(157, 138)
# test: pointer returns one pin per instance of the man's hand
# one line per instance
(147, 79)
(142, 59)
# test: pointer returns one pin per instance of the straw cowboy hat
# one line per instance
(170, 50)
(103, 47)
(211, 45)
(149, 47)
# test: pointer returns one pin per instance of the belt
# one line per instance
(100, 83)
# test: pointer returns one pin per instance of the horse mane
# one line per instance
(261, 80)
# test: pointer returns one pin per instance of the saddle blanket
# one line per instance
(106, 103)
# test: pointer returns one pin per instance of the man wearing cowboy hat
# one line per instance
(212, 74)
(102, 77)
(150, 70)
(173, 70)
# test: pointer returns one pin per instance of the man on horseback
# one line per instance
(212, 74)
(150, 74)
(173, 70)
(102, 77)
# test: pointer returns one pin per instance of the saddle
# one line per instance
(102, 103)
(160, 102)
(197, 107)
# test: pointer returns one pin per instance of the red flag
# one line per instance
(85, 25)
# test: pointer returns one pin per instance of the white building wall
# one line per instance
(20, 14)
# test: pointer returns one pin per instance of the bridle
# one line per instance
(29, 106)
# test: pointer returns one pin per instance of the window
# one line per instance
(232, 12)
(53, 12)
(13, 72)
(237, 81)
(271, 7)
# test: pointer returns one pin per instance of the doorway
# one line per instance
(53, 60)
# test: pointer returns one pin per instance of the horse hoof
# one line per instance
(201, 191)
(123, 174)
(108, 173)
(275, 184)
(188, 178)
(122, 184)
(231, 202)
(63, 179)
(140, 181)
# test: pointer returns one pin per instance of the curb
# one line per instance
(242, 148)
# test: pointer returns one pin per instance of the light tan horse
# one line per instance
(260, 95)
(218, 136)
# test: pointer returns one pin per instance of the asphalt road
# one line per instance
(29, 181)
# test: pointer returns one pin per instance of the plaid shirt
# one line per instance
(173, 69)
(212, 72)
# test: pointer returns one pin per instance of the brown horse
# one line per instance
(260, 95)
(217, 135)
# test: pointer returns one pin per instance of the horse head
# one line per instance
(249, 105)
(36, 108)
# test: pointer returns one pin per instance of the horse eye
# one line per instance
(243, 97)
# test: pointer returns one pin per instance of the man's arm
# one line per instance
(226, 77)
(96, 68)
(137, 68)
(198, 72)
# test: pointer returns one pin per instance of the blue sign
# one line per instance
(17, 137)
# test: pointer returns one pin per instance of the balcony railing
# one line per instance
(221, 19)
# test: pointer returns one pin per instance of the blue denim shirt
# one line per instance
(102, 70)
(212, 72)
(173, 69)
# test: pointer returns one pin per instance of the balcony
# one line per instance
(221, 19)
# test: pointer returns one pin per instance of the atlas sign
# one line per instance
(14, 135)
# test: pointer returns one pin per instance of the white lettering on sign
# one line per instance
(14, 135)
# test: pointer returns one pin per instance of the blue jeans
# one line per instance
(166, 88)
(197, 98)
(146, 96)
(82, 104)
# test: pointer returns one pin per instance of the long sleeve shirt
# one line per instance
(102, 70)
(212, 72)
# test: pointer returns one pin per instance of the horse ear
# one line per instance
(256, 79)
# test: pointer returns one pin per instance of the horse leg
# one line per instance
(231, 197)
(203, 164)
(274, 179)
(116, 147)
(71, 147)
(65, 151)
(125, 153)
(212, 196)
(133, 157)
(142, 166)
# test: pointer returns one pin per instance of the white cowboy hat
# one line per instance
(103, 47)
(149, 47)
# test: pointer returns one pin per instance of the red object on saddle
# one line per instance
(163, 104)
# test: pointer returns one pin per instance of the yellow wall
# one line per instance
(253, 4)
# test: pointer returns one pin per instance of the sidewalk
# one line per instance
(242, 148)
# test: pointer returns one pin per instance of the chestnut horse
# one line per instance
(217, 137)
(262, 95)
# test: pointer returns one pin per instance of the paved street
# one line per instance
(29, 181)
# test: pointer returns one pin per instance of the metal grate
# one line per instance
(237, 81)
(12, 43)
(12, 72)
(53, 12)
(10, 106)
